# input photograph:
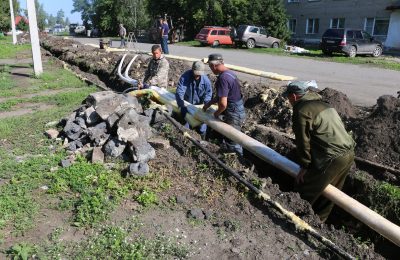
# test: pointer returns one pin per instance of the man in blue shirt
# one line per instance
(228, 98)
(195, 88)
(164, 36)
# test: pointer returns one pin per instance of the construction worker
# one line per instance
(325, 149)
(157, 70)
(122, 35)
(228, 98)
(194, 87)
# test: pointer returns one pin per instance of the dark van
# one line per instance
(351, 42)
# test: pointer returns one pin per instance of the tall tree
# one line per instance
(60, 17)
(86, 8)
(5, 18)
(107, 14)
(67, 22)
(41, 15)
(51, 20)
(197, 13)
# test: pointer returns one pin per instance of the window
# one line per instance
(292, 25)
(376, 26)
(337, 23)
(293, 1)
(358, 35)
(381, 26)
(223, 32)
(253, 30)
(213, 32)
(350, 34)
(263, 31)
(312, 25)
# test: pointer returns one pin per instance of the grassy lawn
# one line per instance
(32, 183)
(9, 50)
(382, 62)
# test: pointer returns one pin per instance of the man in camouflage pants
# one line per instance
(324, 148)
(157, 71)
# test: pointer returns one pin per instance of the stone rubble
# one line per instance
(111, 125)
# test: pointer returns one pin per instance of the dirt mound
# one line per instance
(339, 101)
(377, 136)
(269, 108)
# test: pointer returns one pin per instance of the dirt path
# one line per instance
(40, 93)
(26, 108)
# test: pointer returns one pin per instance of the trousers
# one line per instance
(235, 115)
(315, 182)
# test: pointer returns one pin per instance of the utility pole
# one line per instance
(14, 34)
(33, 31)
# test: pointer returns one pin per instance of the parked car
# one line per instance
(351, 42)
(214, 35)
(253, 36)
(80, 29)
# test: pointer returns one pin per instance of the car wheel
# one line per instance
(353, 52)
(250, 44)
(377, 52)
(326, 52)
(215, 44)
(275, 45)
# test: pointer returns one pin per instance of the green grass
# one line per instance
(95, 191)
(53, 78)
(17, 202)
(9, 50)
(316, 54)
(113, 242)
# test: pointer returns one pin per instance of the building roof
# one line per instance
(19, 18)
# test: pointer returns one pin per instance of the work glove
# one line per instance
(183, 111)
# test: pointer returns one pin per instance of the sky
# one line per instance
(53, 6)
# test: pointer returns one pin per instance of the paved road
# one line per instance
(362, 84)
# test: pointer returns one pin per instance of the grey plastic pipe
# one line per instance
(369, 217)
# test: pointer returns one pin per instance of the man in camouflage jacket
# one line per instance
(157, 70)
(325, 149)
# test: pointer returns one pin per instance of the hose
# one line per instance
(299, 223)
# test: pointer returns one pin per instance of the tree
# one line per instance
(60, 17)
(198, 13)
(41, 15)
(107, 14)
(86, 8)
(5, 18)
(51, 20)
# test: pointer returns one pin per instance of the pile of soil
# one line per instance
(378, 135)
(339, 101)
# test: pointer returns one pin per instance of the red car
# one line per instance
(214, 35)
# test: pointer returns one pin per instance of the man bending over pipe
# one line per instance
(194, 87)
(324, 148)
(157, 71)
(228, 97)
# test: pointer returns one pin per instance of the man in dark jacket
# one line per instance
(325, 149)
(228, 98)
(195, 88)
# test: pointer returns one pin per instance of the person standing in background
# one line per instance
(122, 34)
(164, 36)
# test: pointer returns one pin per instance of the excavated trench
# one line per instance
(375, 130)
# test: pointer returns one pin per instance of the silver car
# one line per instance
(253, 36)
